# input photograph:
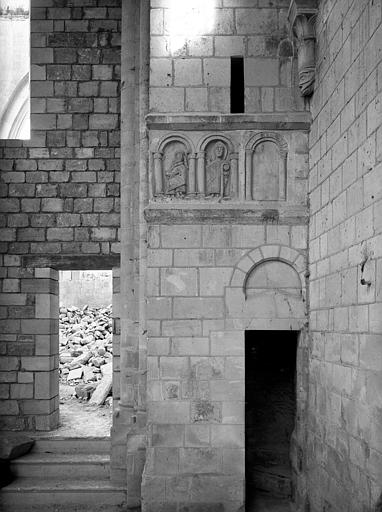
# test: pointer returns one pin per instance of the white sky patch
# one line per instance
(14, 4)
(188, 19)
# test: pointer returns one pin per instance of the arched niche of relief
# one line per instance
(174, 167)
(217, 168)
(266, 167)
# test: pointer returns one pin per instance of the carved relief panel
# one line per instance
(225, 167)
(179, 172)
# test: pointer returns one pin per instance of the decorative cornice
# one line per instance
(225, 122)
(302, 20)
(220, 215)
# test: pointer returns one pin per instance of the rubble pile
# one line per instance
(86, 352)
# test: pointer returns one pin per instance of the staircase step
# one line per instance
(72, 445)
(27, 495)
(62, 466)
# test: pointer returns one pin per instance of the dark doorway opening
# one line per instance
(270, 387)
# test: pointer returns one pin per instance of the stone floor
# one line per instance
(78, 419)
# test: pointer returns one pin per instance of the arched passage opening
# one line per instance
(267, 299)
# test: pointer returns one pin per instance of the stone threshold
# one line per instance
(217, 214)
(215, 121)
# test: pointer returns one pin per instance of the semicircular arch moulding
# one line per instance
(266, 155)
(268, 286)
(173, 137)
(203, 143)
(173, 167)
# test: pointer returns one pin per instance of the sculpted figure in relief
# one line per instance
(176, 175)
(218, 172)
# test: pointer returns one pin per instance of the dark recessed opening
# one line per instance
(270, 368)
(237, 85)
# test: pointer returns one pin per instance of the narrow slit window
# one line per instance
(237, 85)
(15, 69)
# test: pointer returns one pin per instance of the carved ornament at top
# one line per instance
(302, 19)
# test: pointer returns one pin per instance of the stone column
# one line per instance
(192, 175)
(158, 174)
(201, 173)
(283, 175)
(234, 175)
(248, 175)
(124, 414)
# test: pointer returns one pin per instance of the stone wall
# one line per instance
(192, 73)
(344, 422)
(201, 299)
(227, 194)
(85, 287)
(59, 192)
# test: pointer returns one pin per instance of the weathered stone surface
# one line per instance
(14, 445)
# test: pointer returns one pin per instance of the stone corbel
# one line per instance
(302, 20)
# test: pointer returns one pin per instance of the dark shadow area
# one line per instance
(237, 85)
(270, 366)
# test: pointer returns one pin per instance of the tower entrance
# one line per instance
(270, 390)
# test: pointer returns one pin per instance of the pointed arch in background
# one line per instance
(15, 121)
(15, 69)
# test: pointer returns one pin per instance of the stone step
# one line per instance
(76, 445)
(273, 479)
(37, 495)
(62, 466)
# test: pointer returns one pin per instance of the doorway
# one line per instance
(85, 353)
(270, 389)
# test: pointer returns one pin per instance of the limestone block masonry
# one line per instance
(268, 219)
(59, 194)
(199, 304)
(227, 204)
(344, 444)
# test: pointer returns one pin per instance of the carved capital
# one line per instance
(302, 20)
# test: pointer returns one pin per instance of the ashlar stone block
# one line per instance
(164, 99)
(261, 72)
(227, 343)
(213, 280)
(188, 72)
(179, 282)
(197, 435)
(196, 99)
(217, 72)
(198, 308)
(199, 460)
(169, 412)
(161, 73)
